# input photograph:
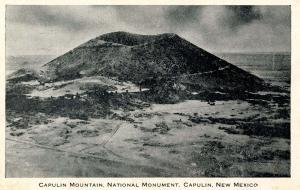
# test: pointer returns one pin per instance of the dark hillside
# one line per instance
(138, 58)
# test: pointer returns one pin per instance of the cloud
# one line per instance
(67, 17)
(182, 15)
(56, 29)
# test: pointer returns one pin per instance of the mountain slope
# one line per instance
(140, 58)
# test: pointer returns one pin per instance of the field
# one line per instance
(100, 127)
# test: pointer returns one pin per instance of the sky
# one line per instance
(54, 30)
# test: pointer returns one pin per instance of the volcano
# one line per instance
(143, 58)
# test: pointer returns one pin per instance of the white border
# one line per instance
(292, 183)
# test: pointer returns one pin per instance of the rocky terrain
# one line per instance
(144, 105)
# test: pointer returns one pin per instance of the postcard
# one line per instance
(150, 95)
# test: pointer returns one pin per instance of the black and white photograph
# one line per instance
(147, 91)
